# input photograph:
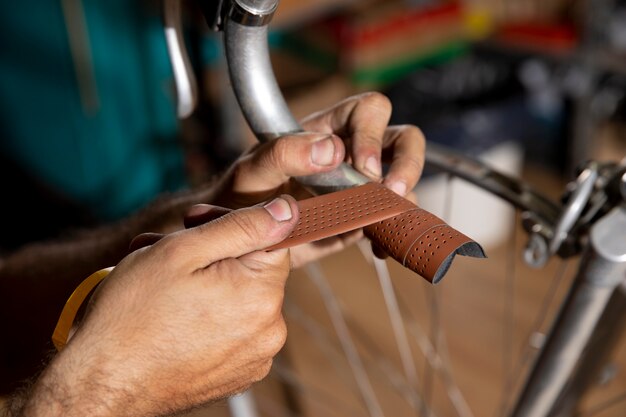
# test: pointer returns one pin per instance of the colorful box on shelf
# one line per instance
(380, 43)
(381, 47)
(547, 37)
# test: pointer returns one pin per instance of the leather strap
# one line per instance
(417, 239)
(343, 211)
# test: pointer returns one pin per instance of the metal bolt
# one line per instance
(258, 7)
(536, 253)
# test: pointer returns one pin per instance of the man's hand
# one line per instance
(192, 318)
(355, 130)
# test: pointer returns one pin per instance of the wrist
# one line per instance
(77, 383)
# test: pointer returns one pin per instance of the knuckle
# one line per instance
(414, 169)
(377, 100)
(246, 226)
(241, 169)
(278, 153)
(413, 132)
(276, 337)
(270, 309)
(415, 165)
(170, 249)
(368, 142)
(278, 159)
(262, 370)
(409, 168)
(271, 266)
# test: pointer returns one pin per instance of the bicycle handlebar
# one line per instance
(244, 23)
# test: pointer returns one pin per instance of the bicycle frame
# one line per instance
(602, 272)
(557, 376)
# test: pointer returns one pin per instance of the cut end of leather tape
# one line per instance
(471, 249)
(422, 242)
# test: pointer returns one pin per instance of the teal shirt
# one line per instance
(113, 157)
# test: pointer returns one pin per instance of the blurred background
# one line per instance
(532, 87)
(87, 96)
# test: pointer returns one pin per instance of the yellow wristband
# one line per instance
(68, 315)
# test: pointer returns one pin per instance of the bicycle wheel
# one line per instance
(368, 337)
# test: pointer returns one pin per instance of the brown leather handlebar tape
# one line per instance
(343, 211)
(422, 242)
(412, 236)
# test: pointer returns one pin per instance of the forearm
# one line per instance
(73, 385)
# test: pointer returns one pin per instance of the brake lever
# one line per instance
(184, 77)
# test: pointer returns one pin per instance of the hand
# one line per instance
(192, 318)
(355, 130)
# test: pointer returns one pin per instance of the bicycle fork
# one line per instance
(592, 307)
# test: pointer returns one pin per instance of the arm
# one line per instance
(36, 281)
(194, 346)
(355, 130)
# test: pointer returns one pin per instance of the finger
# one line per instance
(361, 120)
(305, 253)
(406, 146)
(379, 252)
(268, 267)
(143, 240)
(273, 163)
(233, 235)
(203, 213)
(412, 197)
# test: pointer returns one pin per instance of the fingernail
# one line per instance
(398, 187)
(199, 209)
(323, 152)
(279, 209)
(373, 166)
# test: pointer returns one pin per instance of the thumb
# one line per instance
(240, 232)
(203, 213)
(300, 154)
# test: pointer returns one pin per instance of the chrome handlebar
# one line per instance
(244, 23)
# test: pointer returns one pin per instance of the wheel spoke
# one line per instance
(381, 364)
(397, 324)
(315, 273)
(439, 363)
(527, 351)
(508, 321)
(332, 403)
